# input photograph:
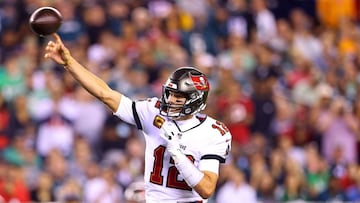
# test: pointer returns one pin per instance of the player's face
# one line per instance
(176, 101)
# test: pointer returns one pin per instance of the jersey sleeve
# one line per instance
(135, 112)
(219, 148)
(124, 110)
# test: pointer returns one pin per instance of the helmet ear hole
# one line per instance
(193, 95)
(188, 110)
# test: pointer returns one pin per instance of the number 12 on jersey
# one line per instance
(220, 127)
(172, 175)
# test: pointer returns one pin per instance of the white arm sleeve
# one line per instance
(211, 165)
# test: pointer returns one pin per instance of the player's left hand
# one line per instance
(169, 133)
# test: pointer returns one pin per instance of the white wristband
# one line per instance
(187, 169)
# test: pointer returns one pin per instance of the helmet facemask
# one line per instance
(193, 104)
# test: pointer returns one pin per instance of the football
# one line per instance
(45, 21)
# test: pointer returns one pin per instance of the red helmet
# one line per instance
(190, 82)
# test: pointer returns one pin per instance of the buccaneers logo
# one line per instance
(200, 82)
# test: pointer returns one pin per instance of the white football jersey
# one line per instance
(201, 138)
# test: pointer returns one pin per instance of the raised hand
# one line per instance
(56, 51)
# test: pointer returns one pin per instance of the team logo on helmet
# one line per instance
(200, 82)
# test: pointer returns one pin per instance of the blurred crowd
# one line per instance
(284, 77)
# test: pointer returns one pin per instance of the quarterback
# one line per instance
(184, 148)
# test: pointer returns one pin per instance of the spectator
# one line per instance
(293, 188)
(72, 29)
(70, 191)
(13, 186)
(55, 133)
(89, 119)
(43, 191)
(236, 187)
(80, 159)
(317, 176)
(353, 193)
(4, 123)
(57, 166)
(103, 188)
(237, 111)
(304, 41)
(338, 120)
(332, 13)
(12, 79)
(20, 153)
(264, 21)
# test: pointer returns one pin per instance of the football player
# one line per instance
(183, 147)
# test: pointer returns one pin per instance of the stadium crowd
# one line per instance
(284, 76)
